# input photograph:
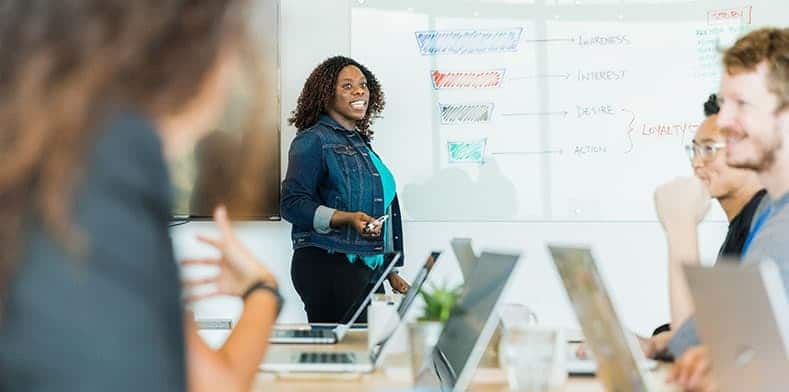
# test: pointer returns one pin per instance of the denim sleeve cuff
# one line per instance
(321, 221)
(684, 338)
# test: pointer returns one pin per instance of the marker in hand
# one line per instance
(378, 222)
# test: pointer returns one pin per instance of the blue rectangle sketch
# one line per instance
(466, 151)
(435, 42)
(465, 113)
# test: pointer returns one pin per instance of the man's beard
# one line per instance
(766, 158)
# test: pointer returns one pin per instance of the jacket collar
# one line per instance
(325, 119)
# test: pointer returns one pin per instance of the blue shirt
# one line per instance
(390, 188)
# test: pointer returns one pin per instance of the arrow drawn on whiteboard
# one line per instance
(545, 40)
(562, 113)
(630, 131)
(546, 152)
(564, 76)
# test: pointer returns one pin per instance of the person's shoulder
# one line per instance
(128, 157)
(770, 241)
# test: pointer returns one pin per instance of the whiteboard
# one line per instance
(558, 111)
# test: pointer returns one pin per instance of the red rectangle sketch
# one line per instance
(467, 79)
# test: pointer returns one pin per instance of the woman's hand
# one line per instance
(238, 268)
(398, 283)
(693, 371)
(359, 221)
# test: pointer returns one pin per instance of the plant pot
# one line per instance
(422, 337)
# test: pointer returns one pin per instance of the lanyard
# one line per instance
(761, 219)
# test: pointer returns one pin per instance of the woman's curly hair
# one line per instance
(319, 90)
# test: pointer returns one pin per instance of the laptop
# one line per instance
(742, 316)
(353, 361)
(471, 324)
(334, 335)
(465, 255)
(619, 362)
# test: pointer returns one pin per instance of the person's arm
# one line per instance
(397, 282)
(681, 204)
(683, 249)
(233, 366)
(300, 204)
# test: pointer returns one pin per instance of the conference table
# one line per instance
(395, 374)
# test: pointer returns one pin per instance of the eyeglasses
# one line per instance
(705, 151)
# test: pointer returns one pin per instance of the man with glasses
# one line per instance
(682, 203)
(754, 119)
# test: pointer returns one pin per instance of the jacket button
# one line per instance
(379, 200)
(397, 237)
(375, 174)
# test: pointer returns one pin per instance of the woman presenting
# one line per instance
(338, 194)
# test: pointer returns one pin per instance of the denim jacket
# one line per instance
(329, 168)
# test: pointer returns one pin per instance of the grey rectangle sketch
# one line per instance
(465, 113)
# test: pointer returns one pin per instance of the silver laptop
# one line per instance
(334, 335)
(742, 316)
(353, 361)
(620, 363)
(465, 255)
(471, 324)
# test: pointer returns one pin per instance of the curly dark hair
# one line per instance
(319, 91)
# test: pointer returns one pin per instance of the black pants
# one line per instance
(328, 284)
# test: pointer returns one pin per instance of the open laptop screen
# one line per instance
(360, 305)
(472, 321)
(405, 304)
(416, 285)
(465, 255)
(617, 354)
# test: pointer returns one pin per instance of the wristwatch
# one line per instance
(260, 285)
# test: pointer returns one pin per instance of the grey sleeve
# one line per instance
(321, 221)
(684, 338)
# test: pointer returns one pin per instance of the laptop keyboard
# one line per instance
(326, 358)
(308, 334)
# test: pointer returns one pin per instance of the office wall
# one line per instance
(632, 255)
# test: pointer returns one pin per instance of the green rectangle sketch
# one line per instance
(466, 151)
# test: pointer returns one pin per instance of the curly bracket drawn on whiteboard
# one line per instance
(491, 78)
(630, 131)
(465, 113)
(466, 151)
(436, 42)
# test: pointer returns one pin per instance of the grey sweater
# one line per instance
(112, 320)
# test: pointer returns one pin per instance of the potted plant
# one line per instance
(439, 302)
(424, 333)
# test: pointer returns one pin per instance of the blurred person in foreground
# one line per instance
(95, 96)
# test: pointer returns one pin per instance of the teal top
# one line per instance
(390, 188)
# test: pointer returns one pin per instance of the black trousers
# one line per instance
(328, 284)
